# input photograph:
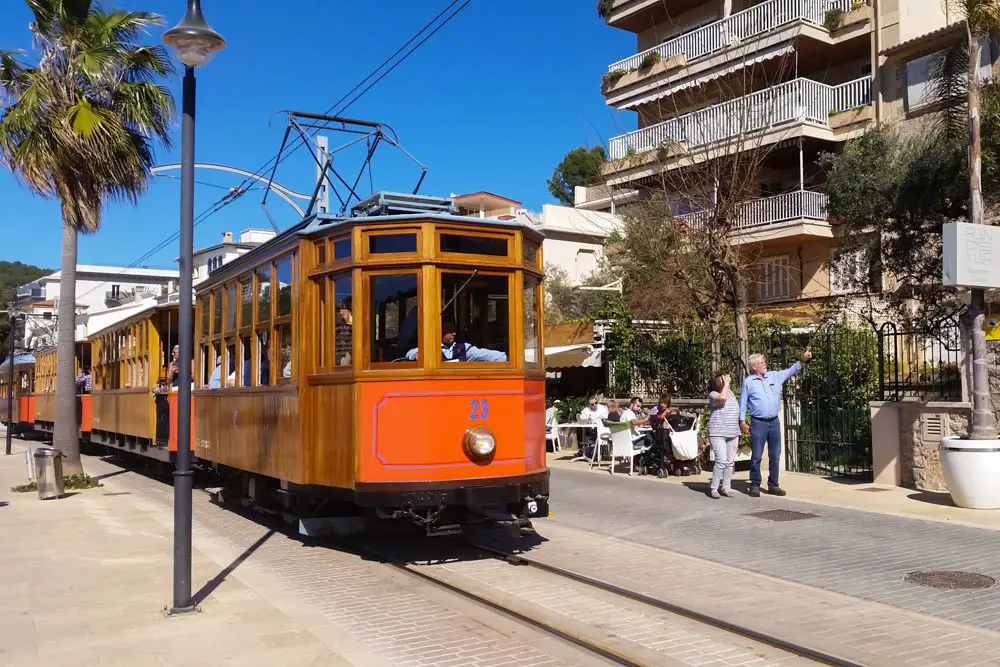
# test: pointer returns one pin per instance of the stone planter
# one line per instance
(634, 76)
(971, 471)
(851, 116)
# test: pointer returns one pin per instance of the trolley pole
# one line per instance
(194, 42)
(11, 318)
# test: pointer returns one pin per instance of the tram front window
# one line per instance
(475, 318)
(393, 317)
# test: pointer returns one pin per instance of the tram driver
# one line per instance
(454, 350)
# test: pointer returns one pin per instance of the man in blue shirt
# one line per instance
(452, 350)
(761, 393)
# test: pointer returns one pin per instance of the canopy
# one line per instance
(19, 360)
(567, 356)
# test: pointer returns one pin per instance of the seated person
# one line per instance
(633, 415)
(453, 350)
(215, 381)
(593, 413)
(614, 414)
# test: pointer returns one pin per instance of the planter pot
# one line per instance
(971, 471)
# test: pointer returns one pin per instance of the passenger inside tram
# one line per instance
(453, 349)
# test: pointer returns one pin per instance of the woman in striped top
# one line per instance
(723, 434)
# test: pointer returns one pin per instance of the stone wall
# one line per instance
(906, 436)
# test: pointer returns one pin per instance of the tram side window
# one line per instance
(393, 317)
(475, 324)
(246, 365)
(264, 295)
(230, 309)
(283, 274)
(231, 363)
(246, 302)
(216, 313)
(284, 333)
(530, 319)
(205, 367)
(343, 321)
(264, 357)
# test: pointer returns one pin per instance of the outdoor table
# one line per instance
(581, 425)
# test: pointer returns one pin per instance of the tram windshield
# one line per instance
(475, 320)
(394, 314)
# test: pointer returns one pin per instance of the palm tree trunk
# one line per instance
(65, 432)
(742, 310)
(983, 423)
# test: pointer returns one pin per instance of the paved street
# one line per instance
(856, 553)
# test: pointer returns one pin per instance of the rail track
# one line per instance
(596, 628)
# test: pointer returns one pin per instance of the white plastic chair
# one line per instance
(552, 429)
(623, 447)
(603, 440)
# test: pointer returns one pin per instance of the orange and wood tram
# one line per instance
(387, 364)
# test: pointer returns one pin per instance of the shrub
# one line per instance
(832, 17)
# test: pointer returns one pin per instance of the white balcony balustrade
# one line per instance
(733, 30)
(799, 100)
(802, 204)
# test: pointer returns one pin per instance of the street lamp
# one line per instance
(195, 43)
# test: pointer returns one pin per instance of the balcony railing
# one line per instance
(796, 100)
(798, 205)
(738, 27)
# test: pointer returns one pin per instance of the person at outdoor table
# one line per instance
(613, 413)
(761, 393)
(632, 415)
(453, 350)
(593, 413)
(723, 434)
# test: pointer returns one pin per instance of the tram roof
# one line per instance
(381, 208)
(19, 360)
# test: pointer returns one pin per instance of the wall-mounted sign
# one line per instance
(971, 255)
(992, 327)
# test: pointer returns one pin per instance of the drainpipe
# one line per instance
(802, 168)
(877, 58)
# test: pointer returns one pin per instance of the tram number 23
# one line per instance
(480, 409)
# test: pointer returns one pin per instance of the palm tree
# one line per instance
(78, 126)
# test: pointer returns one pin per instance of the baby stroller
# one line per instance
(674, 449)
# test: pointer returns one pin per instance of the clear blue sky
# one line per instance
(491, 102)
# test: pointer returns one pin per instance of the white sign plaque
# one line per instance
(971, 255)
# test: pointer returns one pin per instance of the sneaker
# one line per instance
(776, 491)
(755, 492)
(728, 493)
(714, 493)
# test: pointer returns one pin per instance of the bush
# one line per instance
(604, 8)
(651, 59)
(832, 17)
(569, 408)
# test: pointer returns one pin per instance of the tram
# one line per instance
(44, 397)
(20, 395)
(384, 364)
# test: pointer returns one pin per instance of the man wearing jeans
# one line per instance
(761, 392)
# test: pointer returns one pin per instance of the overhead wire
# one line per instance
(241, 189)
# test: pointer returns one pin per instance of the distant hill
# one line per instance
(13, 274)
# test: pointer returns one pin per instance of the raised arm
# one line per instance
(473, 353)
(412, 355)
(788, 372)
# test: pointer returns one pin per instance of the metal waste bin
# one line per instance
(49, 472)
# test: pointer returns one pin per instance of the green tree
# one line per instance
(581, 166)
(79, 125)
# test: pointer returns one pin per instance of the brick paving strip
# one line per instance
(865, 632)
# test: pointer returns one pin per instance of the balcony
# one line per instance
(797, 101)
(778, 218)
(736, 29)
(30, 293)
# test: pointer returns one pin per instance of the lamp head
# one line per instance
(193, 40)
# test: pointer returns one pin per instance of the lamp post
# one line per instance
(194, 43)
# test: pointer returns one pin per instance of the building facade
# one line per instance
(767, 86)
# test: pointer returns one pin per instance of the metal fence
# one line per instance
(914, 364)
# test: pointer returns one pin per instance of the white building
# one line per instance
(209, 259)
(574, 238)
(98, 288)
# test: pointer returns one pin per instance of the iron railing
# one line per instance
(735, 29)
(921, 365)
(797, 100)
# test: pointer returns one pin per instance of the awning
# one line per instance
(569, 356)
(714, 74)
(19, 360)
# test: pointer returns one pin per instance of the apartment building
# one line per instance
(788, 79)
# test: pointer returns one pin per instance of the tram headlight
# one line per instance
(479, 443)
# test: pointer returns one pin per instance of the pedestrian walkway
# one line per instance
(895, 500)
(862, 554)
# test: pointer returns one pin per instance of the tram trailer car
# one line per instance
(23, 402)
(44, 397)
(388, 363)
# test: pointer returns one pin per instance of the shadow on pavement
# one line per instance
(217, 580)
(933, 498)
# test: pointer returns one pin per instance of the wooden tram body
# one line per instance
(308, 336)
(23, 403)
(320, 383)
(44, 408)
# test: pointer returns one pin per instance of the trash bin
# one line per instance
(48, 472)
